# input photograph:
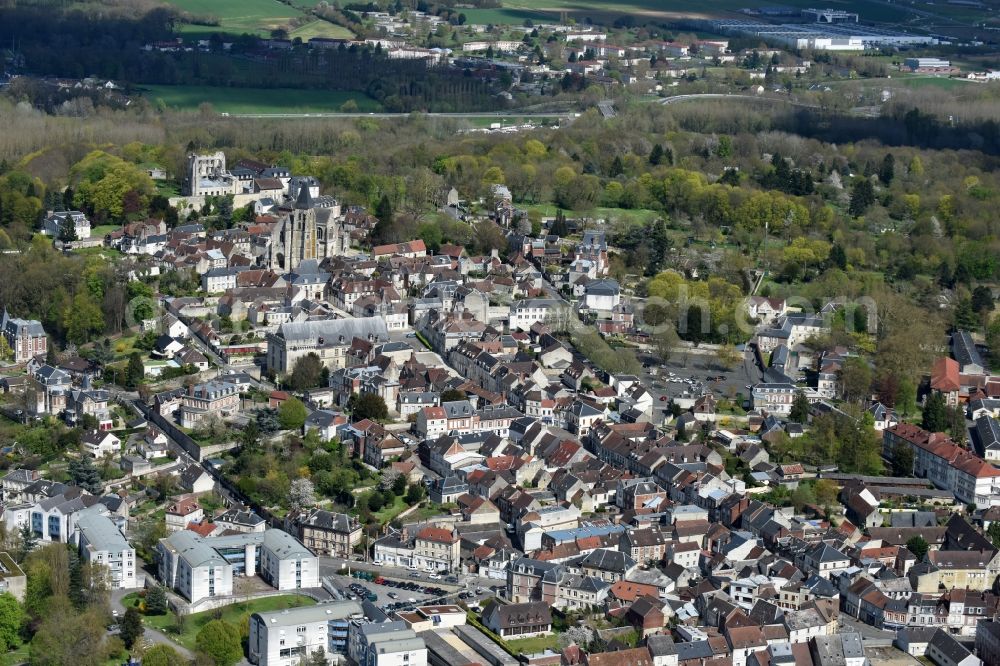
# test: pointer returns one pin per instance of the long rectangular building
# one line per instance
(945, 464)
(198, 568)
(329, 339)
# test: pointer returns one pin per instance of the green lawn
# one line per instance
(426, 513)
(517, 11)
(259, 100)
(103, 230)
(389, 512)
(535, 644)
(236, 17)
(233, 613)
(611, 214)
(936, 82)
(320, 28)
(16, 657)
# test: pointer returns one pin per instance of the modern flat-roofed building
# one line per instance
(280, 637)
(198, 567)
(101, 542)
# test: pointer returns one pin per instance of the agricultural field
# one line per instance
(942, 82)
(320, 28)
(516, 11)
(257, 17)
(258, 100)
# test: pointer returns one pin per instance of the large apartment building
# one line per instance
(285, 636)
(101, 542)
(198, 568)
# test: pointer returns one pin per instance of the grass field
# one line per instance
(256, 17)
(102, 230)
(935, 82)
(258, 100)
(516, 11)
(535, 644)
(234, 614)
(320, 28)
(641, 215)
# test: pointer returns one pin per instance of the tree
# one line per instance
(12, 616)
(993, 342)
(84, 474)
(306, 373)
(162, 654)
(67, 637)
(728, 356)
(67, 229)
(368, 406)
(27, 540)
(220, 641)
(301, 494)
(918, 546)
(862, 197)
(317, 658)
(800, 408)
(656, 154)
(902, 459)
(414, 493)
(994, 533)
(856, 379)
(267, 421)
(826, 492)
(982, 299)
(156, 601)
(888, 169)
(906, 397)
(131, 629)
(385, 215)
(452, 395)
(934, 417)
(250, 435)
(292, 414)
(135, 371)
(82, 318)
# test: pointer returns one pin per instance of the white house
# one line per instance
(602, 295)
(54, 223)
(100, 443)
(525, 313)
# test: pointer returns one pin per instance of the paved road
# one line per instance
(702, 96)
(512, 113)
(151, 635)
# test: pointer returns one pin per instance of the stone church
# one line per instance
(310, 229)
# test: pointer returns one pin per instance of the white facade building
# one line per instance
(286, 636)
(198, 567)
(101, 542)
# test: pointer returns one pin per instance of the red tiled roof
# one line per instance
(944, 375)
(438, 534)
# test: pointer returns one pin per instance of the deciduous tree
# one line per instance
(220, 641)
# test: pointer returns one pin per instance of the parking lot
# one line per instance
(399, 589)
(692, 374)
